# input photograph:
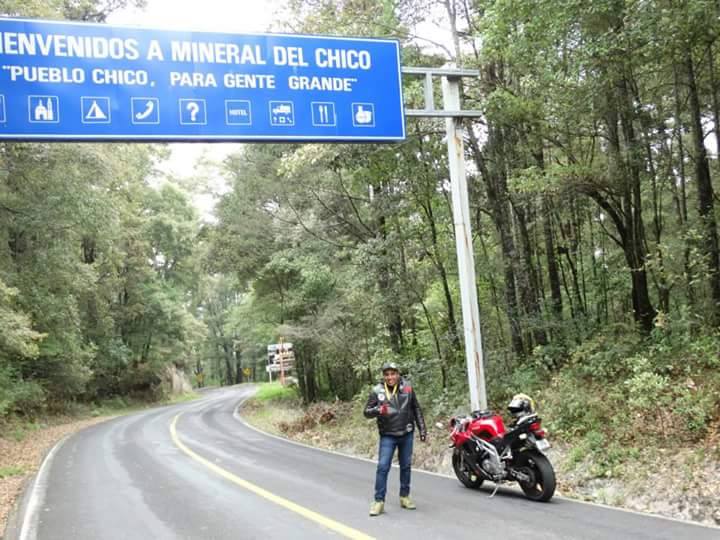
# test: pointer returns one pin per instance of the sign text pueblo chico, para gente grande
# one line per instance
(195, 52)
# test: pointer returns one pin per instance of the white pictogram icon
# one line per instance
(149, 107)
(363, 114)
(145, 110)
(238, 112)
(44, 109)
(192, 111)
(323, 114)
(282, 113)
(95, 110)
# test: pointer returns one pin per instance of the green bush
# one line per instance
(19, 396)
(696, 408)
(601, 358)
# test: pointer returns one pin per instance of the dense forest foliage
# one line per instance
(592, 175)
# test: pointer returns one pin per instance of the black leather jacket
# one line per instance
(403, 410)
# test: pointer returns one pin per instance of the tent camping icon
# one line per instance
(95, 110)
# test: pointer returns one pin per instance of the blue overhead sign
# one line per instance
(75, 81)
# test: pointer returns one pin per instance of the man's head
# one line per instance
(391, 373)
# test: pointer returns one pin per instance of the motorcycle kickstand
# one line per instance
(497, 486)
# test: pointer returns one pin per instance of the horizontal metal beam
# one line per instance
(441, 72)
(423, 113)
(450, 74)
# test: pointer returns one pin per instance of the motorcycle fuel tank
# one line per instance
(488, 427)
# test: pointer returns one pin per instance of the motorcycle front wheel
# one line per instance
(462, 470)
(541, 485)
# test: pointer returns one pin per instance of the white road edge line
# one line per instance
(28, 529)
(236, 415)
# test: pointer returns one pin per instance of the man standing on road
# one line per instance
(394, 404)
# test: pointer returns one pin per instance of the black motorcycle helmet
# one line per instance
(521, 405)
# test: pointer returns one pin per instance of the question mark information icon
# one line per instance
(193, 112)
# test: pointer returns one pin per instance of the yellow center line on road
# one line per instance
(344, 530)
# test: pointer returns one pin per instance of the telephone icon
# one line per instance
(149, 108)
(145, 111)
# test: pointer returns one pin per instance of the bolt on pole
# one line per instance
(463, 244)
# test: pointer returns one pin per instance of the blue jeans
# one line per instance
(388, 443)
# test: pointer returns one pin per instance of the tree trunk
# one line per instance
(552, 262)
(238, 368)
(527, 280)
(705, 193)
(496, 187)
(628, 173)
(493, 286)
(228, 355)
(449, 304)
(715, 99)
(681, 198)
(394, 321)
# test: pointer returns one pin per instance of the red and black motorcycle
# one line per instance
(483, 449)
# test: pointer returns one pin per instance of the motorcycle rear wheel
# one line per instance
(467, 477)
(541, 486)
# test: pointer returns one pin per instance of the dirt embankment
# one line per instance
(682, 483)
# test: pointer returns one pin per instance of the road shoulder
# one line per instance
(339, 427)
(21, 455)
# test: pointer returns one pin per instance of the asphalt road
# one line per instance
(194, 470)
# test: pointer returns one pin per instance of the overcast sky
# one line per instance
(239, 16)
(236, 16)
(232, 16)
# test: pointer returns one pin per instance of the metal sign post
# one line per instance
(281, 352)
(461, 215)
(92, 82)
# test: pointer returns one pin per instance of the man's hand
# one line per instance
(384, 409)
(423, 437)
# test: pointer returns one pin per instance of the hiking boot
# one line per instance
(377, 508)
(407, 503)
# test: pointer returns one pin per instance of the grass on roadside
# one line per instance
(20, 428)
(12, 470)
(276, 392)
(271, 405)
(182, 398)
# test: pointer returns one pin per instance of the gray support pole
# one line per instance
(463, 244)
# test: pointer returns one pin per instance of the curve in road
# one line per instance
(193, 471)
